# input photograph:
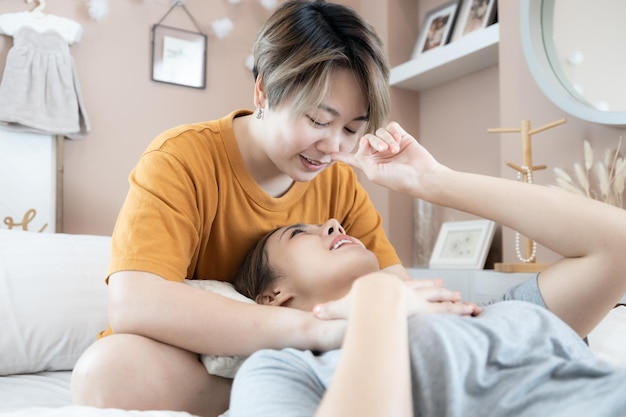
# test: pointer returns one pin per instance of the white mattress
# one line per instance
(47, 394)
(78, 411)
(46, 389)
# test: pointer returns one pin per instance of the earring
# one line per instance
(259, 113)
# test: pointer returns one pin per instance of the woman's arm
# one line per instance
(373, 376)
(583, 286)
(586, 283)
(170, 312)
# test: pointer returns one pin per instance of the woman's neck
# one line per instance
(273, 181)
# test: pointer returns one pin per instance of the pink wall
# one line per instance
(452, 119)
(520, 98)
(127, 109)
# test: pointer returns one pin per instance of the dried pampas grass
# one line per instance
(610, 176)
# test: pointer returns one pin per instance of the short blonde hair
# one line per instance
(304, 42)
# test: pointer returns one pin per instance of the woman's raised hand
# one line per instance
(392, 158)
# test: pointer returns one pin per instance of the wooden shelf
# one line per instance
(471, 53)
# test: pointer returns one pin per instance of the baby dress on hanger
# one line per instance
(39, 90)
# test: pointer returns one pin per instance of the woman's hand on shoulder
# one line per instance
(327, 334)
(437, 299)
(392, 158)
(422, 296)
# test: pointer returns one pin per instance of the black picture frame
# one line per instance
(179, 56)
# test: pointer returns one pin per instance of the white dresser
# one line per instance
(30, 181)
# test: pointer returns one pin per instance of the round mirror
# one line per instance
(574, 50)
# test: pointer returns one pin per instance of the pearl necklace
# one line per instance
(518, 252)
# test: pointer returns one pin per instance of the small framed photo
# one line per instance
(436, 29)
(462, 245)
(474, 15)
(179, 56)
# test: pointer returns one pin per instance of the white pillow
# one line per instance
(53, 300)
(608, 339)
(225, 366)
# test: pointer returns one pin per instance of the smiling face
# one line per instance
(299, 145)
(313, 264)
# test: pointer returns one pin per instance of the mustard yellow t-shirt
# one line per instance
(193, 210)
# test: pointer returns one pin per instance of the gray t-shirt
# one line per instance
(514, 359)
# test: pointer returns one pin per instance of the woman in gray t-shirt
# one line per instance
(523, 355)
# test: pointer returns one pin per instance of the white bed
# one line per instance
(53, 303)
(47, 394)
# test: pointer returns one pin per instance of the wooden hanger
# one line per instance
(40, 7)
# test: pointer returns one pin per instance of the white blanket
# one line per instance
(80, 411)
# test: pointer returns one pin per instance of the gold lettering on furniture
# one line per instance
(28, 217)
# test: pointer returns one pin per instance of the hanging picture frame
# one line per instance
(179, 56)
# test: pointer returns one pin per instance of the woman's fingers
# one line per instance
(386, 139)
(391, 141)
(417, 284)
(441, 294)
(424, 296)
(436, 299)
(339, 309)
(457, 308)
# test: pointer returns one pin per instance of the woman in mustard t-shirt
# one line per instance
(202, 194)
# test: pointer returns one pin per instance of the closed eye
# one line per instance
(320, 125)
(316, 123)
(293, 230)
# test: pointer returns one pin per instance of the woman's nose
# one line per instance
(331, 143)
(332, 226)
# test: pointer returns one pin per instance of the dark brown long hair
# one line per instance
(254, 274)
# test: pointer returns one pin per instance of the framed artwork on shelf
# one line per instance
(462, 245)
(474, 15)
(179, 56)
(436, 28)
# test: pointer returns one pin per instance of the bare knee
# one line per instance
(89, 376)
(133, 372)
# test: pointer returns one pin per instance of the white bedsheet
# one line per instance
(47, 394)
(79, 411)
(45, 389)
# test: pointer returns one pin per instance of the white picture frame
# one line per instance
(462, 245)
(472, 16)
(436, 29)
